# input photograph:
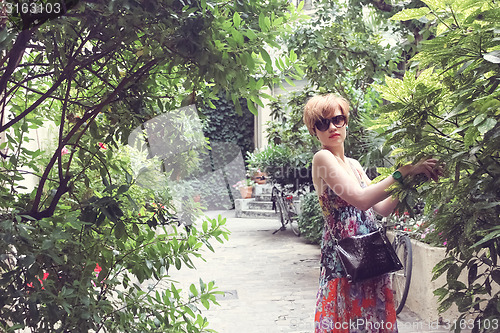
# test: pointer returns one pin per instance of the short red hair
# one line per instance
(323, 106)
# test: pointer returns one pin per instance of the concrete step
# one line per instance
(262, 197)
(257, 214)
(260, 205)
(254, 209)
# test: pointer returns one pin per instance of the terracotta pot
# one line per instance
(246, 192)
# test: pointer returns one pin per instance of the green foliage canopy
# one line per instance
(95, 72)
(448, 106)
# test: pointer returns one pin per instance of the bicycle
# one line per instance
(283, 202)
(401, 279)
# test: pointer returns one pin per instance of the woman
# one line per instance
(347, 199)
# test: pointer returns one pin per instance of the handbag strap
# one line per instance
(357, 175)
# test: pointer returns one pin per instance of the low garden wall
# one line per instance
(421, 299)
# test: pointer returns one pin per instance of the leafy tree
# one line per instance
(345, 52)
(76, 249)
(346, 46)
(448, 106)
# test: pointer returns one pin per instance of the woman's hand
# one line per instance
(428, 166)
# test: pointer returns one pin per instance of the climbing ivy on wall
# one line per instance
(224, 124)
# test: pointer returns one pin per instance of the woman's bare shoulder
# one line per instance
(324, 156)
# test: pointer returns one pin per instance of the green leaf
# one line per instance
(267, 59)
(250, 34)
(435, 4)
(109, 214)
(135, 229)
(47, 244)
(178, 263)
(290, 82)
(251, 106)
(300, 5)
(237, 36)
(479, 119)
(441, 267)
(441, 293)
(236, 20)
(495, 275)
(104, 176)
(453, 272)
(262, 23)
(487, 125)
(257, 100)
(472, 274)
(120, 231)
(456, 285)
(193, 290)
(205, 303)
(122, 189)
(189, 311)
(411, 14)
(470, 136)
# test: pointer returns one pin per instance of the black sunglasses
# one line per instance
(337, 121)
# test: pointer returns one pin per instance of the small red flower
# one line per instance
(102, 145)
(64, 151)
(97, 269)
(45, 276)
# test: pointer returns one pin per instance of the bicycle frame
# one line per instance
(283, 202)
(401, 280)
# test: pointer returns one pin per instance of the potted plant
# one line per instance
(258, 176)
(245, 187)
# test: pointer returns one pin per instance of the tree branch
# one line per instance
(52, 96)
(87, 118)
(33, 106)
(15, 56)
(61, 127)
(12, 58)
(70, 68)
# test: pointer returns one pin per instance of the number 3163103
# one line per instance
(487, 324)
(32, 8)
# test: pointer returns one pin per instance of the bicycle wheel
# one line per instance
(293, 218)
(281, 211)
(401, 279)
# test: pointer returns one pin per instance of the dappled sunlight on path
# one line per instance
(270, 280)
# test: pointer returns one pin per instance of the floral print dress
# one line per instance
(341, 306)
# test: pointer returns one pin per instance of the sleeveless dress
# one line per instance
(341, 306)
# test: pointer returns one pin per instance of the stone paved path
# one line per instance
(270, 281)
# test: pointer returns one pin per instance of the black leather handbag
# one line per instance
(367, 256)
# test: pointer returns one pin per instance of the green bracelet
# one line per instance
(398, 176)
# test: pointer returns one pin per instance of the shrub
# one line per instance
(283, 165)
(448, 108)
(311, 218)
